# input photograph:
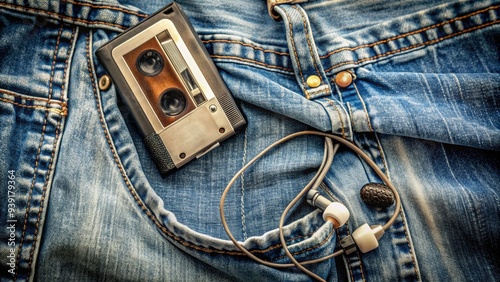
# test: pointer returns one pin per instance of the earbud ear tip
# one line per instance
(338, 212)
(367, 237)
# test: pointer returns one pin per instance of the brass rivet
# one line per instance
(104, 82)
(313, 81)
(343, 79)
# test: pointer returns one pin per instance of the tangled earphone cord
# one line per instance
(330, 151)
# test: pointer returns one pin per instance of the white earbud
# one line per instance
(337, 213)
(367, 237)
(334, 212)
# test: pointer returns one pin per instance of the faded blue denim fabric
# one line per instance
(424, 104)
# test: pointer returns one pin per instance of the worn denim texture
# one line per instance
(425, 105)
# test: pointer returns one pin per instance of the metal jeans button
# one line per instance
(343, 79)
(104, 82)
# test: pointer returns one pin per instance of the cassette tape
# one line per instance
(169, 83)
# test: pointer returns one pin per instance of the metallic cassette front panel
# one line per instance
(197, 132)
(120, 51)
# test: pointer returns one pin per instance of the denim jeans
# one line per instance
(81, 200)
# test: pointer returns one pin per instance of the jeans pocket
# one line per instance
(30, 132)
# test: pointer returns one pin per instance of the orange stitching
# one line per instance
(347, 257)
(309, 44)
(340, 116)
(437, 40)
(414, 262)
(35, 172)
(61, 112)
(28, 204)
(106, 7)
(54, 59)
(337, 232)
(386, 168)
(311, 248)
(250, 61)
(40, 209)
(408, 33)
(8, 92)
(66, 67)
(315, 93)
(279, 245)
(361, 267)
(42, 199)
(292, 41)
(58, 16)
(246, 45)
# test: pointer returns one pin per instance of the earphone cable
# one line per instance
(315, 182)
(330, 151)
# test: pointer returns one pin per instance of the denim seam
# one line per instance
(246, 60)
(245, 45)
(54, 59)
(361, 269)
(28, 203)
(49, 101)
(37, 159)
(328, 192)
(349, 109)
(108, 7)
(44, 191)
(326, 90)
(66, 62)
(332, 231)
(346, 229)
(340, 116)
(308, 38)
(278, 245)
(292, 41)
(54, 145)
(351, 271)
(251, 62)
(62, 111)
(430, 42)
(58, 16)
(370, 45)
(382, 155)
(242, 207)
(413, 258)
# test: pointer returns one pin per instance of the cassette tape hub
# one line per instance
(172, 88)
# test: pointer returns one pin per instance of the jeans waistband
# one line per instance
(347, 34)
(88, 14)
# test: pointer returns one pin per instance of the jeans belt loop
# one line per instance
(272, 3)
